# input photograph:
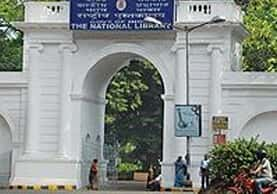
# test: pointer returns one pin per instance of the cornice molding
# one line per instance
(38, 46)
(252, 86)
(80, 97)
(28, 27)
(13, 84)
(249, 80)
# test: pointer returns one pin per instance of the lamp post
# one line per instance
(184, 28)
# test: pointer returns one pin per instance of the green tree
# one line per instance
(134, 113)
(11, 40)
(260, 47)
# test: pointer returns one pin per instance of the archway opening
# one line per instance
(122, 118)
(5, 151)
(133, 124)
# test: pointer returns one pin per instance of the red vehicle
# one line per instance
(245, 184)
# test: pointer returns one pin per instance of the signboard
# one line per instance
(188, 120)
(120, 14)
(220, 122)
(219, 139)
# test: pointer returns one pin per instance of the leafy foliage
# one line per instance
(128, 167)
(11, 40)
(226, 160)
(260, 48)
(134, 113)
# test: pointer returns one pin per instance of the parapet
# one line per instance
(187, 11)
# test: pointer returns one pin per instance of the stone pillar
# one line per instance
(169, 143)
(216, 52)
(215, 98)
(66, 51)
(101, 103)
(180, 78)
(180, 87)
(31, 148)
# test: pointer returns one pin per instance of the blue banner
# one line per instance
(120, 14)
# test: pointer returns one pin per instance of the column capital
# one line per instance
(215, 46)
(168, 97)
(180, 42)
(37, 46)
(72, 47)
(177, 46)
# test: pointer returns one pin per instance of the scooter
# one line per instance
(245, 184)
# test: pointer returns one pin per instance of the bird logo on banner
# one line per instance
(121, 5)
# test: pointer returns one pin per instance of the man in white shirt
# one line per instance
(204, 172)
(263, 172)
(155, 184)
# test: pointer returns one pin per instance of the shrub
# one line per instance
(127, 167)
(227, 159)
(126, 170)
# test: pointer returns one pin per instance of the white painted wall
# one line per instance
(13, 98)
(250, 101)
(263, 126)
(50, 91)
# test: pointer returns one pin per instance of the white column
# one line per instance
(32, 131)
(216, 52)
(180, 79)
(75, 137)
(101, 106)
(169, 143)
(215, 97)
(180, 87)
(66, 51)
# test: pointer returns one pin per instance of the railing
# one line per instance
(200, 11)
(41, 12)
(185, 11)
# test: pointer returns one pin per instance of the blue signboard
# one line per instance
(188, 120)
(120, 14)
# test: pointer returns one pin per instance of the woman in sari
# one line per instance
(180, 172)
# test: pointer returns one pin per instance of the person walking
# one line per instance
(204, 172)
(150, 175)
(93, 179)
(180, 172)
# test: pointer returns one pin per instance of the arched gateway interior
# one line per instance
(93, 108)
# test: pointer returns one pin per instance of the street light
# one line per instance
(183, 27)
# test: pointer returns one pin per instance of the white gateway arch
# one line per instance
(59, 98)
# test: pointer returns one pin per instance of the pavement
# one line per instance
(112, 187)
(86, 192)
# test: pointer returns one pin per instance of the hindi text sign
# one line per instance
(120, 14)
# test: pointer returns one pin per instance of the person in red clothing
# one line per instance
(93, 180)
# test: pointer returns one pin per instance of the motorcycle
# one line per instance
(244, 183)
